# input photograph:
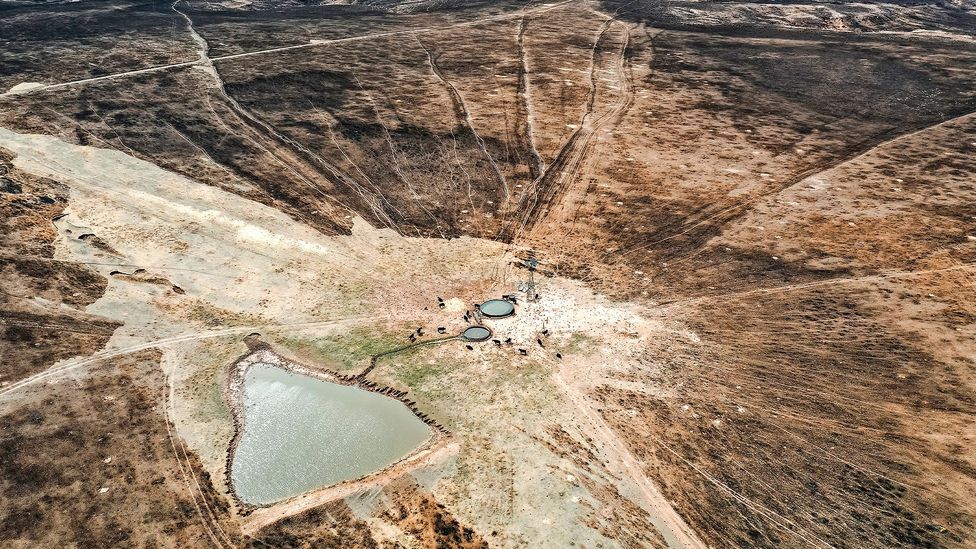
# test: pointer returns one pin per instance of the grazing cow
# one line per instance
(559, 356)
(496, 341)
(413, 338)
(508, 340)
(441, 329)
(468, 347)
(523, 352)
(441, 305)
(439, 300)
(420, 331)
(545, 332)
(539, 341)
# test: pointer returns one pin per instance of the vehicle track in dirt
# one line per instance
(674, 529)
(464, 113)
(74, 364)
(256, 125)
(817, 284)
(524, 140)
(551, 186)
(314, 44)
(208, 519)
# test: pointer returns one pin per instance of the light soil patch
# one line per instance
(23, 87)
(227, 267)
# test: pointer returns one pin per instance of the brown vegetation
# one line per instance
(95, 462)
(42, 299)
(795, 198)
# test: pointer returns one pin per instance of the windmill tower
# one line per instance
(529, 286)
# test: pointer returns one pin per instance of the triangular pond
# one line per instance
(302, 433)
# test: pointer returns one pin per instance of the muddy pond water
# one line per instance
(302, 433)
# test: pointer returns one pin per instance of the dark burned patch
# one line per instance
(717, 270)
(817, 76)
(329, 525)
(787, 89)
(31, 342)
(416, 512)
(44, 42)
(176, 120)
(414, 173)
(723, 18)
(295, 91)
(267, 24)
(60, 447)
(9, 186)
(36, 334)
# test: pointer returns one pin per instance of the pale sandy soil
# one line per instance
(246, 268)
(22, 87)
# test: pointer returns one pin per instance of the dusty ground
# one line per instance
(371, 286)
(755, 223)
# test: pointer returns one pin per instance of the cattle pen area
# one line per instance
(494, 273)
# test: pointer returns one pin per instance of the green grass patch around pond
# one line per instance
(348, 351)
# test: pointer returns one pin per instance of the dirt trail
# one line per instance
(58, 369)
(210, 520)
(262, 130)
(313, 44)
(462, 107)
(671, 526)
(523, 107)
(259, 518)
(202, 45)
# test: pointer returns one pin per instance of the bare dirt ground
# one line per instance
(374, 281)
(756, 231)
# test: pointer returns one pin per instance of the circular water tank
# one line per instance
(476, 333)
(497, 308)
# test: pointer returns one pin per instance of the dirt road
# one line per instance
(670, 525)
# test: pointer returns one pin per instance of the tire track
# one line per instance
(547, 189)
(186, 471)
(523, 107)
(461, 107)
(316, 44)
(182, 338)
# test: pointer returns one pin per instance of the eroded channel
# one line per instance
(301, 433)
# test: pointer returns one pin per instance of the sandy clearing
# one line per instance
(288, 276)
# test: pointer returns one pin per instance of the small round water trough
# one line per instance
(476, 333)
(497, 308)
